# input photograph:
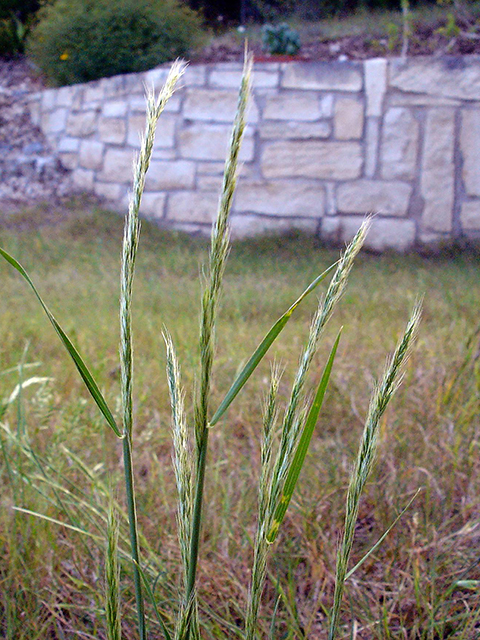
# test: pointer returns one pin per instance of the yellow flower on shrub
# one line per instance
(64, 56)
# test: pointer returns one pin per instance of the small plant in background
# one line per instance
(392, 36)
(407, 26)
(280, 39)
(285, 440)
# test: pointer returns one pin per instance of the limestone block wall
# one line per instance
(326, 142)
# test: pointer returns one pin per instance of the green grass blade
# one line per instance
(77, 359)
(41, 516)
(262, 349)
(302, 448)
(382, 537)
(151, 597)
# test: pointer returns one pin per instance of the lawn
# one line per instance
(59, 459)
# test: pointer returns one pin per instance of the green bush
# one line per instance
(82, 40)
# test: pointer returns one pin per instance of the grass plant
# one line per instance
(73, 491)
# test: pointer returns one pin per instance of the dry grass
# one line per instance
(52, 577)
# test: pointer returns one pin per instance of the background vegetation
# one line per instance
(52, 577)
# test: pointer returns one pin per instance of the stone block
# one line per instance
(83, 179)
(93, 94)
(159, 153)
(165, 136)
(68, 145)
(470, 215)
(195, 76)
(281, 198)
(294, 130)
(375, 85)
(312, 159)
(113, 87)
(35, 112)
(210, 142)
(153, 205)
(210, 168)
(193, 206)
(114, 108)
(165, 175)
(231, 78)
(112, 130)
(54, 122)
(81, 124)
(155, 78)
(437, 178)
(215, 105)
(109, 191)
(372, 136)
(398, 99)
(138, 104)
(91, 154)
(470, 146)
(292, 106)
(49, 99)
(248, 226)
(66, 96)
(323, 76)
(348, 119)
(449, 77)
(399, 144)
(374, 196)
(117, 166)
(210, 183)
(384, 234)
(68, 160)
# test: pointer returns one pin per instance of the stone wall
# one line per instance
(325, 143)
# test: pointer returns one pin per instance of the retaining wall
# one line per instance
(325, 143)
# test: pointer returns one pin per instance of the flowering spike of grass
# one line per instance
(381, 396)
(182, 459)
(292, 420)
(302, 447)
(130, 244)
(218, 256)
(260, 552)
(112, 578)
(262, 349)
(76, 357)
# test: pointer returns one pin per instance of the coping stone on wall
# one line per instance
(450, 77)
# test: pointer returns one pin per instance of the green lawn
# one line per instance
(57, 451)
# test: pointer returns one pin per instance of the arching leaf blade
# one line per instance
(302, 448)
(262, 349)
(77, 359)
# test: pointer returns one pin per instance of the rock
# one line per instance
(437, 178)
(348, 119)
(374, 196)
(300, 106)
(210, 142)
(470, 146)
(399, 144)
(166, 175)
(398, 235)
(323, 76)
(375, 85)
(303, 199)
(210, 105)
(312, 159)
(470, 215)
(449, 77)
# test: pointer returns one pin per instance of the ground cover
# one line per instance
(442, 29)
(52, 577)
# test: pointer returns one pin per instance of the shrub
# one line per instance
(83, 40)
